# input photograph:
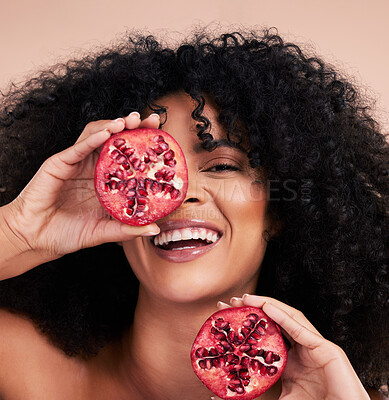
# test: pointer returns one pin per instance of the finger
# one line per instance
(236, 302)
(259, 301)
(298, 332)
(64, 165)
(82, 149)
(132, 121)
(115, 231)
(152, 121)
(113, 126)
(221, 305)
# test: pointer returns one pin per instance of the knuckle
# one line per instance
(334, 350)
(299, 314)
(297, 331)
(90, 126)
(51, 162)
(78, 152)
(96, 126)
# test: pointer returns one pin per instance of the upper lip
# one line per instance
(188, 223)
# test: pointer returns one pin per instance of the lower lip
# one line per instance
(185, 255)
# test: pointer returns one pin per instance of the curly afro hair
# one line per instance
(325, 161)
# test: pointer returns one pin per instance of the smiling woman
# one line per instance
(287, 178)
(224, 206)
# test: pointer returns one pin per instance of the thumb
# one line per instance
(115, 231)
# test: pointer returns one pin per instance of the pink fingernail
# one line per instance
(135, 114)
(120, 120)
(235, 299)
(149, 233)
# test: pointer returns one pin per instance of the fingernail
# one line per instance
(120, 120)
(150, 233)
(245, 295)
(135, 114)
(154, 115)
(235, 299)
(221, 303)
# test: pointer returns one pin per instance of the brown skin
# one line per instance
(174, 300)
(32, 369)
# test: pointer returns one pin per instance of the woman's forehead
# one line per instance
(179, 121)
(179, 108)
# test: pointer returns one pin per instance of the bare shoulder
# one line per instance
(376, 395)
(18, 336)
(22, 346)
(27, 356)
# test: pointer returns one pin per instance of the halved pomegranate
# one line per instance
(239, 353)
(141, 176)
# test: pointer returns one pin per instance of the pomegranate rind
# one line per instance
(156, 204)
(241, 373)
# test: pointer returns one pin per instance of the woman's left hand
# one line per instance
(316, 368)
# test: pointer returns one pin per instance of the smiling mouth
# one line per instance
(185, 239)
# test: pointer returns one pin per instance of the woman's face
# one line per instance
(223, 203)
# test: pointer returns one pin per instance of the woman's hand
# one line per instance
(316, 368)
(58, 211)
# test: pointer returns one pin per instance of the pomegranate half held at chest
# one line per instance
(141, 176)
(239, 353)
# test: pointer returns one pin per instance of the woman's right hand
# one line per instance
(58, 211)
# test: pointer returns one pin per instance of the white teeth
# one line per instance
(163, 238)
(185, 234)
(176, 236)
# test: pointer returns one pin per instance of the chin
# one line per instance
(210, 276)
(198, 283)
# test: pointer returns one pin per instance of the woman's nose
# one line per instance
(195, 193)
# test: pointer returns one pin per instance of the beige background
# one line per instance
(352, 34)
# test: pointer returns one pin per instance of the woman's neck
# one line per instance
(159, 346)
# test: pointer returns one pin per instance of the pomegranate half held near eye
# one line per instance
(141, 176)
(239, 353)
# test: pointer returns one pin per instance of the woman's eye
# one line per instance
(222, 168)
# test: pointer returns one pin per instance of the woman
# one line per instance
(297, 198)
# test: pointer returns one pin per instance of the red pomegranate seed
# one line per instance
(119, 142)
(169, 155)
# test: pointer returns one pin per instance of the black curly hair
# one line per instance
(305, 126)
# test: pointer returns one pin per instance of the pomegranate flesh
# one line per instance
(239, 353)
(141, 176)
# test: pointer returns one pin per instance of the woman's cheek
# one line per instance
(242, 193)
